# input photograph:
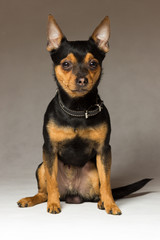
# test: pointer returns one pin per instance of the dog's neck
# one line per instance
(80, 103)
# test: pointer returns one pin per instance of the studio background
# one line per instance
(130, 88)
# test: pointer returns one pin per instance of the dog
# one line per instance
(76, 152)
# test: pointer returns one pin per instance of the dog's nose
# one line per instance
(82, 82)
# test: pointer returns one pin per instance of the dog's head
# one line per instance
(77, 64)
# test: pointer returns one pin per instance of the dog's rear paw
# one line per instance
(53, 208)
(101, 205)
(25, 202)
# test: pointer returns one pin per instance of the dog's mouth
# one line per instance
(79, 90)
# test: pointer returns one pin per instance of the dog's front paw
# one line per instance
(111, 208)
(53, 208)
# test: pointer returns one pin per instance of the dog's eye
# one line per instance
(93, 64)
(66, 65)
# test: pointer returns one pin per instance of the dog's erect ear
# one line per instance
(101, 35)
(54, 34)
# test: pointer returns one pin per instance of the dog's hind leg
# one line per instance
(41, 196)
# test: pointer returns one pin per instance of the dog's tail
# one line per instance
(126, 190)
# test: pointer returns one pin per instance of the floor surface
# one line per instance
(140, 218)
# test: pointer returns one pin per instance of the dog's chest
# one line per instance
(76, 146)
(59, 134)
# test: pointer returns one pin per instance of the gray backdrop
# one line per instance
(130, 85)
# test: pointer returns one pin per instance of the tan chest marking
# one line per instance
(60, 133)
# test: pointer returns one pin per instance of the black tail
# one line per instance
(126, 190)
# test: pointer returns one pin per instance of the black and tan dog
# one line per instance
(76, 151)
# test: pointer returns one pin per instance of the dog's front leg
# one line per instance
(51, 168)
(104, 168)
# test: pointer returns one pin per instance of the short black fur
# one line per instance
(76, 152)
(78, 48)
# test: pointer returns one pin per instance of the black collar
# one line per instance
(96, 108)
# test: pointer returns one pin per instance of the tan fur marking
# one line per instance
(97, 133)
(42, 179)
(53, 204)
(59, 134)
(68, 80)
(106, 197)
(70, 57)
(32, 201)
(93, 75)
(41, 196)
(88, 57)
